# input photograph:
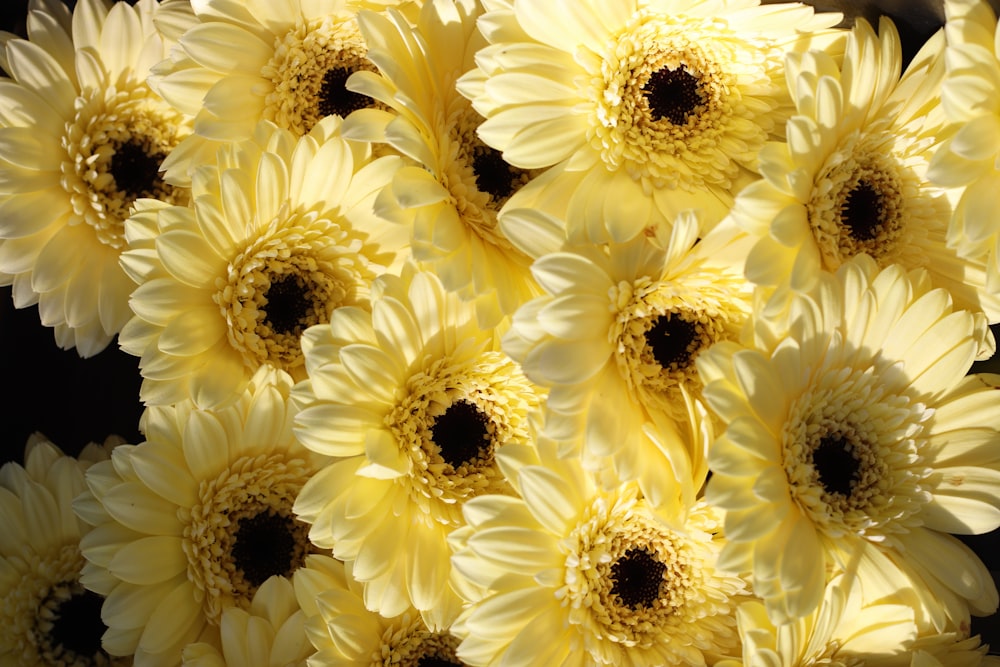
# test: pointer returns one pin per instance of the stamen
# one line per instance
(493, 174)
(287, 307)
(670, 339)
(335, 98)
(637, 577)
(136, 170)
(265, 546)
(462, 433)
(673, 94)
(836, 464)
(863, 211)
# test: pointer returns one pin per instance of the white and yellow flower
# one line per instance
(346, 633)
(81, 138)
(270, 632)
(841, 632)
(47, 617)
(970, 159)
(851, 176)
(615, 338)
(581, 572)
(195, 519)
(854, 435)
(280, 234)
(451, 196)
(415, 400)
(644, 107)
(258, 60)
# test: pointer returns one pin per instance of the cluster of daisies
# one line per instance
(507, 332)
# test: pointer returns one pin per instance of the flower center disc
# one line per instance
(836, 465)
(461, 433)
(335, 98)
(309, 70)
(670, 340)
(265, 545)
(673, 94)
(637, 577)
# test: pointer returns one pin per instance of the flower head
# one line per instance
(274, 623)
(452, 196)
(850, 429)
(84, 137)
(240, 64)
(46, 615)
(415, 400)
(578, 571)
(280, 234)
(615, 340)
(347, 633)
(851, 177)
(194, 520)
(649, 107)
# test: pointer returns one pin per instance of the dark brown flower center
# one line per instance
(288, 304)
(437, 661)
(493, 174)
(863, 212)
(637, 576)
(461, 433)
(136, 170)
(75, 635)
(335, 98)
(673, 94)
(266, 544)
(670, 340)
(835, 463)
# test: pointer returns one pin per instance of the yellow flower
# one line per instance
(82, 138)
(348, 634)
(851, 176)
(258, 60)
(270, 632)
(578, 571)
(195, 519)
(280, 234)
(852, 433)
(844, 631)
(647, 107)
(415, 400)
(970, 159)
(615, 340)
(451, 197)
(46, 615)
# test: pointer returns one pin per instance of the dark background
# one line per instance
(74, 401)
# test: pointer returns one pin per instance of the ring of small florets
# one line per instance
(851, 454)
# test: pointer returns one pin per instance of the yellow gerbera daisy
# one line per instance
(416, 400)
(648, 106)
(281, 233)
(347, 634)
(844, 631)
(579, 572)
(852, 427)
(81, 137)
(46, 615)
(970, 159)
(451, 197)
(615, 339)
(195, 519)
(851, 177)
(257, 60)
(270, 632)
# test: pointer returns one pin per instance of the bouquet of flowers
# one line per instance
(507, 332)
